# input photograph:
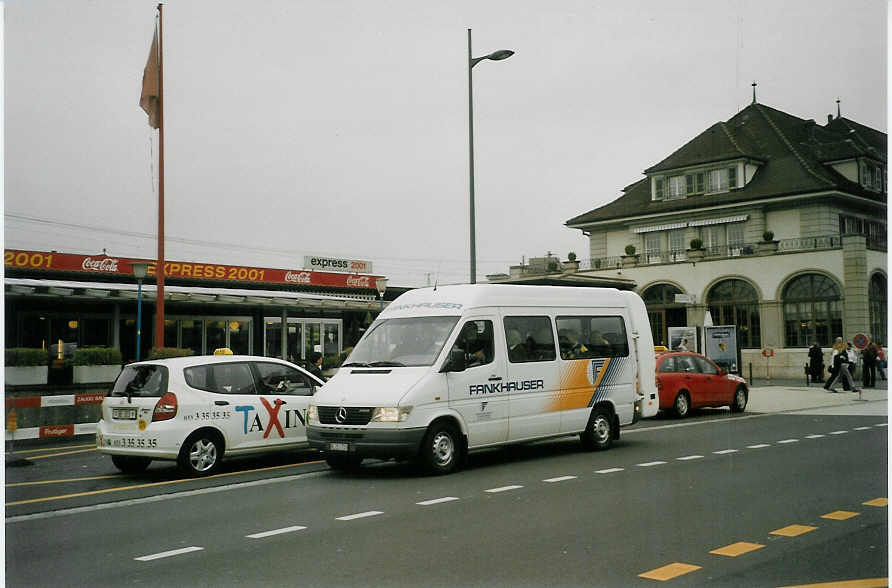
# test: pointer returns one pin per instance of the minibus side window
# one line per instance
(476, 341)
(529, 338)
(583, 337)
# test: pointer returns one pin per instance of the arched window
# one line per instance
(663, 311)
(876, 298)
(812, 311)
(735, 302)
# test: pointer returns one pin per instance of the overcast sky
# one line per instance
(340, 128)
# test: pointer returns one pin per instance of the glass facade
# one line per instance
(877, 300)
(735, 302)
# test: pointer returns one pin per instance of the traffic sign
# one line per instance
(860, 341)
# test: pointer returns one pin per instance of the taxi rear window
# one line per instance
(141, 380)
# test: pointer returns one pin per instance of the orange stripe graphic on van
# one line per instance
(578, 385)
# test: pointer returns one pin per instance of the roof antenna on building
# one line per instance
(754, 90)
(837, 108)
(437, 279)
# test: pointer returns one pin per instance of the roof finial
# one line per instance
(754, 91)
(837, 108)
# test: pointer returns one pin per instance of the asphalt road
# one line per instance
(756, 487)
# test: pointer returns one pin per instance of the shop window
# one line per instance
(64, 335)
(216, 335)
(735, 302)
(96, 332)
(812, 307)
(239, 336)
(272, 337)
(877, 300)
(34, 331)
(331, 341)
(190, 331)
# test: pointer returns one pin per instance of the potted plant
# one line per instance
(571, 265)
(630, 258)
(96, 364)
(768, 244)
(26, 366)
(696, 250)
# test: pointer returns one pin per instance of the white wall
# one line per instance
(784, 223)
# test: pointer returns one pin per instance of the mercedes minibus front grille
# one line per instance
(342, 415)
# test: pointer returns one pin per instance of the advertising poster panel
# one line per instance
(720, 345)
(682, 338)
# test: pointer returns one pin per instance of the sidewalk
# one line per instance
(786, 395)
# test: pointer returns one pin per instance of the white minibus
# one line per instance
(451, 369)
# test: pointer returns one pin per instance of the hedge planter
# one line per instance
(630, 260)
(571, 266)
(28, 375)
(88, 374)
(767, 247)
(695, 254)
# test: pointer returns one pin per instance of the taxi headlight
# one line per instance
(312, 414)
(390, 414)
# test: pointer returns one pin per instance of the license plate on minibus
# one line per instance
(338, 447)
(127, 414)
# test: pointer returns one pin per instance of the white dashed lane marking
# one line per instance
(862, 428)
(650, 464)
(838, 432)
(360, 515)
(814, 436)
(689, 457)
(759, 446)
(437, 501)
(559, 479)
(503, 489)
(785, 441)
(171, 553)
(609, 471)
(725, 451)
(275, 532)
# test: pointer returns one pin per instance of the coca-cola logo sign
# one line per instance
(297, 277)
(106, 264)
(359, 281)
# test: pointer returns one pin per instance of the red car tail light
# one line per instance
(166, 407)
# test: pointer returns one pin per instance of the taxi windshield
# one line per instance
(141, 380)
(402, 342)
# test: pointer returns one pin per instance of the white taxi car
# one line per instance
(195, 410)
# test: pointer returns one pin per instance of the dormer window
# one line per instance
(693, 183)
(722, 180)
(872, 176)
(677, 187)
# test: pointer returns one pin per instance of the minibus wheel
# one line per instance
(598, 433)
(441, 450)
(201, 453)
(130, 464)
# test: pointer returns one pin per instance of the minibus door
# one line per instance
(476, 391)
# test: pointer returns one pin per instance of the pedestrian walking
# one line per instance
(816, 363)
(881, 361)
(314, 364)
(852, 364)
(839, 359)
(868, 365)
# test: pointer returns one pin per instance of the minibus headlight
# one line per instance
(390, 414)
(312, 414)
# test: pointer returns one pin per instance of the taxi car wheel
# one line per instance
(682, 405)
(441, 450)
(740, 398)
(599, 432)
(201, 454)
(130, 464)
(343, 462)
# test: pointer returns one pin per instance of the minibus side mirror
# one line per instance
(455, 362)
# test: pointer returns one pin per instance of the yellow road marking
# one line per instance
(63, 481)
(793, 530)
(670, 571)
(153, 484)
(52, 449)
(735, 549)
(877, 502)
(840, 515)
(60, 454)
(866, 583)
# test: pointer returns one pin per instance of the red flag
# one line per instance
(150, 95)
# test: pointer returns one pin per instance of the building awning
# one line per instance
(696, 223)
(653, 228)
(110, 292)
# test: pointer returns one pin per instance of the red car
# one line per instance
(689, 380)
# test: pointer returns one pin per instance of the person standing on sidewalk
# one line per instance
(839, 359)
(816, 363)
(868, 365)
(881, 361)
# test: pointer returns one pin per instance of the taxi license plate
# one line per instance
(127, 414)
(338, 447)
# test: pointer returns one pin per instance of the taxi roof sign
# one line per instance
(223, 351)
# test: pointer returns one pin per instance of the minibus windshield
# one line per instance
(402, 342)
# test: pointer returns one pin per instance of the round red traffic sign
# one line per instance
(860, 340)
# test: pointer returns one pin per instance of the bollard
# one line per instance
(806, 375)
(751, 372)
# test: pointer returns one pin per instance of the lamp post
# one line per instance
(472, 61)
(139, 272)
(381, 285)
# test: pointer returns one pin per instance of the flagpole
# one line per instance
(159, 269)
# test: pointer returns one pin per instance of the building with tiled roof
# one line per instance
(766, 221)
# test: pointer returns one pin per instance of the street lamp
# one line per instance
(139, 272)
(381, 285)
(472, 61)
